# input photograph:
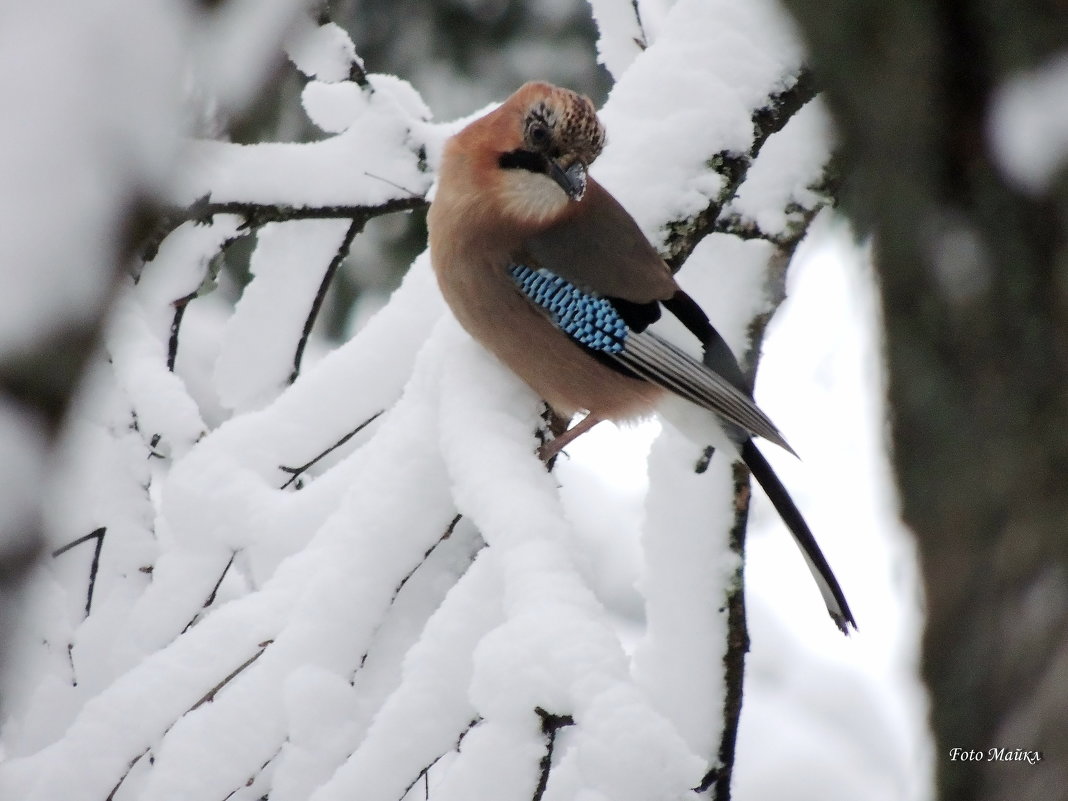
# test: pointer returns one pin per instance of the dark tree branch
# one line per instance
(97, 535)
(297, 472)
(643, 39)
(317, 303)
(207, 697)
(357, 74)
(203, 212)
(122, 779)
(252, 778)
(550, 725)
(684, 236)
(425, 772)
(214, 590)
(210, 694)
(181, 303)
(719, 776)
(176, 324)
(448, 533)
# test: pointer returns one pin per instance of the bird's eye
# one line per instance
(539, 135)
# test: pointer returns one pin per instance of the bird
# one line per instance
(548, 271)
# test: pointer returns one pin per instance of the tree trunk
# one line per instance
(974, 285)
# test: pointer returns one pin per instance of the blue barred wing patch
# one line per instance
(588, 319)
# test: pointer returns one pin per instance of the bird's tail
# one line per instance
(833, 597)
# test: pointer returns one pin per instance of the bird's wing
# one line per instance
(596, 244)
(603, 326)
(606, 328)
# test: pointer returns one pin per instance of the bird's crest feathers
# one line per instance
(533, 151)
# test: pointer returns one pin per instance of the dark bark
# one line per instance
(975, 298)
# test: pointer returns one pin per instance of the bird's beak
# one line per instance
(571, 179)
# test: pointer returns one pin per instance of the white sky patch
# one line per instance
(1028, 124)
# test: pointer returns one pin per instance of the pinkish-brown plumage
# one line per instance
(544, 267)
(484, 217)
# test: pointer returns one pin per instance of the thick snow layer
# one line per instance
(365, 584)
(257, 355)
(713, 64)
(324, 52)
(366, 164)
(779, 183)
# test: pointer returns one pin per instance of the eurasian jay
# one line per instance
(551, 274)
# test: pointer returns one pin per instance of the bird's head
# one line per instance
(552, 132)
(522, 165)
(526, 161)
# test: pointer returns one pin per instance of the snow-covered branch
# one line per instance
(430, 605)
(684, 235)
(255, 215)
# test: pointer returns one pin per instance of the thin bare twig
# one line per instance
(98, 535)
(425, 772)
(317, 303)
(550, 725)
(448, 533)
(214, 590)
(180, 304)
(642, 40)
(297, 472)
(203, 211)
(210, 694)
(122, 779)
(252, 778)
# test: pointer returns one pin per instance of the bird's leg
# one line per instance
(553, 447)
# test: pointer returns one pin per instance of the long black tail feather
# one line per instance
(719, 358)
(837, 606)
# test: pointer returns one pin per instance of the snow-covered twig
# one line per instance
(214, 591)
(684, 235)
(297, 472)
(550, 725)
(317, 303)
(425, 772)
(97, 535)
(255, 215)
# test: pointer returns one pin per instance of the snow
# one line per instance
(321, 51)
(91, 107)
(729, 57)
(257, 353)
(1028, 125)
(821, 378)
(780, 181)
(621, 36)
(405, 605)
(363, 165)
(687, 574)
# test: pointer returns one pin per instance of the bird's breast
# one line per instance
(487, 302)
